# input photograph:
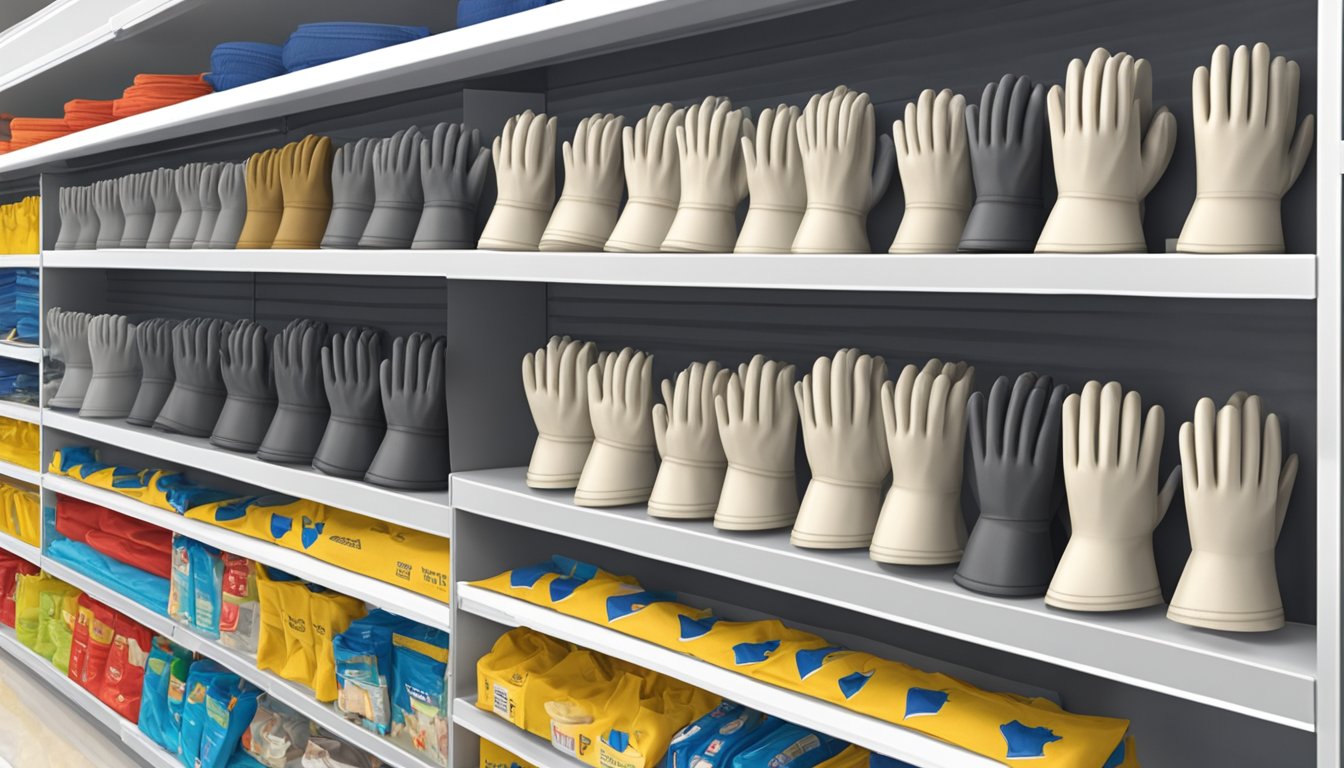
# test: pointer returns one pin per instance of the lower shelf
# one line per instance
(97, 710)
(21, 548)
(509, 736)
(145, 748)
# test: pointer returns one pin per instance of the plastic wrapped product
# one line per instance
(739, 734)
(204, 675)
(11, 568)
(330, 614)
(363, 684)
(420, 702)
(326, 752)
(123, 677)
(277, 735)
(791, 745)
(207, 581)
(503, 674)
(94, 632)
(691, 739)
(181, 590)
(229, 709)
(495, 756)
(157, 720)
(240, 613)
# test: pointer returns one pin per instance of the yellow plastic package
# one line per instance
(503, 674)
(394, 554)
(271, 634)
(282, 520)
(26, 514)
(495, 756)
(27, 604)
(19, 442)
(330, 614)
(578, 682)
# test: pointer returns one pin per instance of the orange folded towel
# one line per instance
(154, 91)
(27, 131)
(86, 113)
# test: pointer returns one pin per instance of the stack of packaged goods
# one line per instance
(11, 566)
(114, 549)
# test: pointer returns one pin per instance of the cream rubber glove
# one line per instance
(687, 434)
(1236, 494)
(1248, 151)
(775, 181)
(935, 167)
(758, 426)
(844, 179)
(555, 379)
(843, 437)
(620, 468)
(1110, 479)
(713, 177)
(586, 213)
(652, 180)
(138, 208)
(1105, 164)
(925, 417)
(524, 157)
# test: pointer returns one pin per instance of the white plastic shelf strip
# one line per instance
(497, 730)
(28, 353)
(20, 411)
(21, 548)
(14, 471)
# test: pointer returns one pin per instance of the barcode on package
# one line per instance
(563, 741)
(501, 701)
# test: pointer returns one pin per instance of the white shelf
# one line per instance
(509, 736)
(20, 411)
(1227, 276)
(422, 511)
(1267, 676)
(16, 261)
(16, 350)
(392, 598)
(60, 682)
(552, 33)
(149, 618)
(16, 472)
(145, 748)
(21, 548)
(880, 736)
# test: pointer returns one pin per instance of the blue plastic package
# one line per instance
(422, 714)
(144, 588)
(688, 740)
(155, 721)
(207, 579)
(229, 709)
(740, 734)
(363, 685)
(203, 675)
(790, 745)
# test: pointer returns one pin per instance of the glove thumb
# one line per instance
(1168, 491)
(1297, 153)
(660, 429)
(1158, 145)
(1286, 480)
(884, 164)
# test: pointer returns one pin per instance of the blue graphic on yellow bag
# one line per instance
(754, 653)
(852, 683)
(922, 701)
(692, 628)
(1026, 741)
(620, 606)
(811, 660)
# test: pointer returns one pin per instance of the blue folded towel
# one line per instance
(314, 44)
(235, 64)
(475, 11)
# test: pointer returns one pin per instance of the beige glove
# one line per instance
(713, 177)
(935, 166)
(925, 416)
(775, 179)
(524, 157)
(687, 434)
(652, 180)
(586, 213)
(1247, 154)
(758, 426)
(620, 468)
(842, 433)
(1236, 494)
(844, 180)
(1110, 478)
(1104, 162)
(555, 379)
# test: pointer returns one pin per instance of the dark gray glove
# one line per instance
(116, 368)
(453, 168)
(208, 195)
(1015, 478)
(398, 197)
(137, 206)
(167, 208)
(154, 340)
(198, 391)
(302, 415)
(70, 332)
(245, 365)
(107, 204)
(232, 206)
(88, 219)
(69, 234)
(350, 374)
(414, 453)
(1006, 133)
(351, 194)
(187, 181)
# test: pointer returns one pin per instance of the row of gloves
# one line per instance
(295, 397)
(727, 441)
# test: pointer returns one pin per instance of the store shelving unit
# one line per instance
(531, 748)
(16, 472)
(28, 353)
(21, 548)
(20, 411)
(97, 710)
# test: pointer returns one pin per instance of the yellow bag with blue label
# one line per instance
(495, 756)
(274, 518)
(19, 443)
(394, 554)
(330, 614)
(81, 463)
(503, 674)
(582, 676)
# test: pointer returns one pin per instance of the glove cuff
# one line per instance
(919, 527)
(769, 229)
(515, 225)
(206, 228)
(110, 395)
(686, 489)
(149, 401)
(294, 433)
(110, 232)
(701, 228)
(74, 384)
(930, 228)
(191, 410)
(1225, 222)
(259, 227)
(161, 230)
(1229, 592)
(832, 229)
(411, 460)
(837, 514)
(1003, 224)
(348, 445)
(302, 226)
(642, 226)
(1082, 223)
(391, 225)
(580, 224)
(446, 225)
(243, 422)
(346, 224)
(615, 475)
(228, 227)
(756, 500)
(136, 232)
(1105, 575)
(184, 233)
(1007, 558)
(557, 460)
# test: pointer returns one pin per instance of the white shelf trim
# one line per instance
(21, 548)
(16, 472)
(20, 411)
(114, 599)
(28, 353)
(509, 736)
(20, 260)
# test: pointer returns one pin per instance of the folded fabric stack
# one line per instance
(236, 64)
(475, 11)
(19, 381)
(26, 301)
(149, 92)
(81, 114)
(20, 514)
(19, 442)
(114, 549)
(315, 44)
(27, 131)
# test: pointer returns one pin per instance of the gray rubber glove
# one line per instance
(208, 195)
(154, 340)
(198, 392)
(72, 334)
(414, 453)
(245, 366)
(1006, 133)
(167, 208)
(88, 219)
(351, 194)
(137, 206)
(1014, 442)
(232, 206)
(68, 236)
(107, 205)
(302, 415)
(187, 181)
(116, 368)
(453, 168)
(350, 366)
(398, 197)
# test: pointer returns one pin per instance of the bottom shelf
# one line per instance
(509, 736)
(145, 748)
(9, 643)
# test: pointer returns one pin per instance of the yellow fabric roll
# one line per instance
(265, 199)
(495, 756)
(305, 181)
(330, 614)
(390, 553)
(503, 674)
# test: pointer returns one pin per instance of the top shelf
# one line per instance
(545, 35)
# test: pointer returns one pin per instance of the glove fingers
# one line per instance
(1031, 417)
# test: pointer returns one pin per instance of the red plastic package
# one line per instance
(10, 568)
(94, 633)
(125, 671)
